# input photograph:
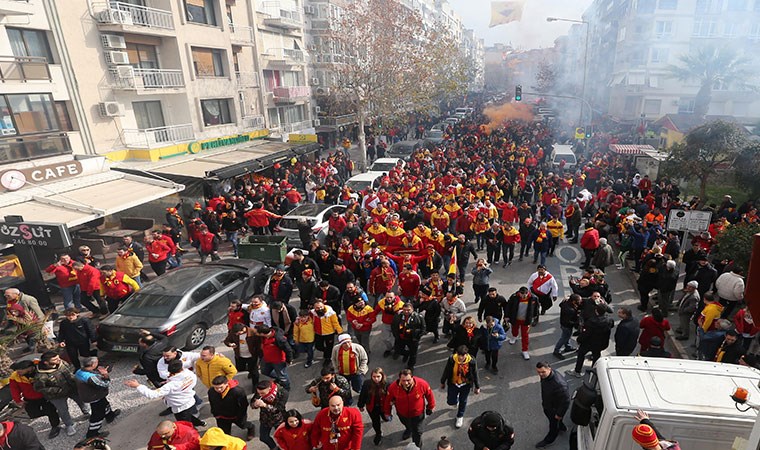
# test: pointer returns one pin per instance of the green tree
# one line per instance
(707, 149)
(735, 243)
(747, 166)
(710, 66)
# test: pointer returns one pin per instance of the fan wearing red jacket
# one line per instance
(337, 427)
(66, 277)
(509, 213)
(89, 284)
(409, 283)
(158, 253)
(179, 435)
(258, 218)
(413, 399)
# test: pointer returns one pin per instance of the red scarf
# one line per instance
(272, 395)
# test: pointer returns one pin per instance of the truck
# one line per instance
(688, 402)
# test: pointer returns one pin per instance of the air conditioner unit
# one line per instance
(315, 81)
(125, 71)
(113, 41)
(323, 91)
(317, 122)
(308, 9)
(317, 109)
(116, 58)
(111, 109)
(116, 16)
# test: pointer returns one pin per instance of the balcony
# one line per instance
(158, 137)
(338, 121)
(137, 79)
(281, 18)
(284, 56)
(24, 68)
(291, 94)
(16, 8)
(253, 123)
(129, 18)
(296, 126)
(240, 34)
(246, 79)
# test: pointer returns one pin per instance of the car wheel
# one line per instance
(196, 337)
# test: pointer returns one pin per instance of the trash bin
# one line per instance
(268, 249)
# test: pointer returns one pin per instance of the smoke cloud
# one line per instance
(499, 114)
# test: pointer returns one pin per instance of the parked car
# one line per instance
(182, 304)
(363, 181)
(384, 165)
(441, 126)
(403, 149)
(434, 137)
(315, 214)
(451, 121)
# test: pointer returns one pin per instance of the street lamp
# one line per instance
(585, 58)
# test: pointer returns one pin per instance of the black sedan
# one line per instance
(182, 304)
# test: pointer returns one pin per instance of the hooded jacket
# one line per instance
(185, 438)
(57, 382)
(18, 436)
(215, 437)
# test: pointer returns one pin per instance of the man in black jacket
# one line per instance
(340, 276)
(407, 327)
(301, 263)
(731, 350)
(569, 318)
(229, 405)
(490, 430)
(493, 305)
(279, 287)
(594, 337)
(150, 348)
(459, 377)
(308, 289)
(76, 334)
(555, 400)
(17, 436)
(464, 249)
(331, 296)
(627, 333)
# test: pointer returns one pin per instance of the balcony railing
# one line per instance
(16, 7)
(281, 17)
(158, 137)
(295, 126)
(285, 54)
(253, 122)
(120, 13)
(291, 93)
(241, 33)
(246, 79)
(338, 121)
(23, 68)
(127, 77)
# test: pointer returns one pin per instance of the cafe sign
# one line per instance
(35, 234)
(15, 179)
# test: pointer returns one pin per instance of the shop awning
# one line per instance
(634, 150)
(80, 200)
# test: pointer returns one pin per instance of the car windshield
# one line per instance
(435, 133)
(150, 305)
(358, 185)
(566, 158)
(401, 148)
(292, 224)
(382, 167)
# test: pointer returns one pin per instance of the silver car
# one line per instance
(316, 215)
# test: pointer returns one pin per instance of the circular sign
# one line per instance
(194, 147)
(13, 180)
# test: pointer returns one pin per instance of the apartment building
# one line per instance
(474, 50)
(633, 43)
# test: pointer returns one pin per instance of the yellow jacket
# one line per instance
(710, 314)
(303, 331)
(130, 265)
(328, 323)
(215, 438)
(555, 228)
(219, 365)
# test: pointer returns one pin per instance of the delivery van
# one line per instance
(563, 152)
(688, 401)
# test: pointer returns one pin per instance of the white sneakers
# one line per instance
(512, 340)
(70, 430)
(526, 355)
(459, 422)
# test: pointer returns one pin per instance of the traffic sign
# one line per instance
(695, 221)
(580, 133)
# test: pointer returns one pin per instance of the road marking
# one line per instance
(576, 258)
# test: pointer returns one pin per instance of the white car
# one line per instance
(316, 216)
(384, 165)
(363, 181)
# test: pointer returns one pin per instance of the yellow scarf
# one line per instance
(459, 374)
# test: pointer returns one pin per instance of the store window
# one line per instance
(29, 43)
(201, 11)
(208, 62)
(65, 117)
(33, 113)
(216, 111)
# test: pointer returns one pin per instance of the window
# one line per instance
(703, 28)
(659, 55)
(736, 5)
(621, 34)
(201, 11)
(709, 6)
(652, 107)
(226, 278)
(142, 56)
(669, 5)
(637, 58)
(686, 105)
(272, 79)
(730, 29)
(33, 113)
(29, 43)
(148, 114)
(631, 105)
(663, 29)
(646, 6)
(754, 32)
(204, 292)
(208, 62)
(65, 118)
(6, 119)
(216, 112)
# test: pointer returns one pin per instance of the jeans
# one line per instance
(414, 426)
(232, 236)
(265, 435)
(536, 255)
(308, 348)
(492, 253)
(356, 380)
(492, 358)
(507, 249)
(564, 339)
(278, 371)
(362, 338)
(387, 334)
(480, 291)
(62, 406)
(458, 395)
(71, 297)
(524, 249)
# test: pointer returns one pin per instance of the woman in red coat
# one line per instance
(652, 325)
(293, 434)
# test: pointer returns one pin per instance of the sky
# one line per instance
(532, 32)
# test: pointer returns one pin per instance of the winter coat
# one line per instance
(274, 416)
(569, 315)
(472, 372)
(493, 307)
(555, 395)
(324, 392)
(367, 400)
(219, 365)
(284, 290)
(513, 307)
(595, 333)
(178, 392)
(184, 438)
(92, 386)
(55, 382)
(490, 342)
(215, 438)
(667, 280)
(603, 257)
(651, 328)
(626, 336)
(412, 403)
(460, 337)
(411, 329)
(502, 438)
(79, 333)
(18, 436)
(481, 276)
(288, 438)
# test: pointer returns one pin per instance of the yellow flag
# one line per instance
(505, 12)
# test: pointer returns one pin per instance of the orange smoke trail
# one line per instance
(499, 114)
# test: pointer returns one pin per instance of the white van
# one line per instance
(563, 152)
(362, 181)
(688, 401)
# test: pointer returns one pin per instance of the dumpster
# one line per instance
(267, 249)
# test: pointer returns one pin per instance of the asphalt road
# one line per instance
(514, 393)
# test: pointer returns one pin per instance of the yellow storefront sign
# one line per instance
(302, 138)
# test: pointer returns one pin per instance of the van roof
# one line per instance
(563, 148)
(369, 176)
(668, 385)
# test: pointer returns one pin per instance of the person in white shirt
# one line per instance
(730, 289)
(178, 393)
(258, 312)
(543, 285)
(188, 362)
